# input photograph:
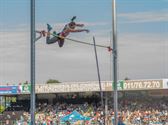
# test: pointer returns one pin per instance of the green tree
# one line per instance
(127, 78)
(51, 81)
(2, 108)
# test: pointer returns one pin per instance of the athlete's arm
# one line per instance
(79, 25)
(78, 30)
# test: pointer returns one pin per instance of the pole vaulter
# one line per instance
(61, 36)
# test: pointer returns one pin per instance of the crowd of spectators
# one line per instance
(132, 111)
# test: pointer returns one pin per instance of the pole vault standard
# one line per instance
(114, 25)
(32, 63)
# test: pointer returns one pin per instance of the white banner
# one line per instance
(71, 87)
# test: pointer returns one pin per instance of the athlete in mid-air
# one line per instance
(68, 28)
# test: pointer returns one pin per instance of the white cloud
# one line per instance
(15, 56)
(143, 17)
(143, 55)
(140, 56)
(42, 26)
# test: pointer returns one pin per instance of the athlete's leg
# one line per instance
(61, 42)
(49, 28)
(48, 39)
(39, 32)
(51, 40)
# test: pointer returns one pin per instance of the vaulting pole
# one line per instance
(98, 73)
(114, 27)
(32, 70)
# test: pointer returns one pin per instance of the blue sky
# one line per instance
(142, 25)
(53, 11)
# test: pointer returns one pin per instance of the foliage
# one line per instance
(127, 78)
(51, 81)
(2, 108)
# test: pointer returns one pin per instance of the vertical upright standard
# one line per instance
(114, 25)
(32, 63)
